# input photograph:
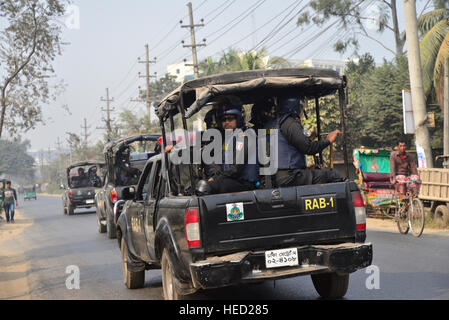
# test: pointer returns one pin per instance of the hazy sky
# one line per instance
(112, 34)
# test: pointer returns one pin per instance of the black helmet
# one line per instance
(290, 105)
(262, 112)
(232, 109)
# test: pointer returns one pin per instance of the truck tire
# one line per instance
(70, 210)
(331, 285)
(442, 215)
(168, 278)
(111, 228)
(101, 227)
(132, 280)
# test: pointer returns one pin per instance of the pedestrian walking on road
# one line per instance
(9, 201)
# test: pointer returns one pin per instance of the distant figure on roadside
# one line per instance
(9, 199)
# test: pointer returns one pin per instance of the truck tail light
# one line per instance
(114, 196)
(70, 192)
(360, 212)
(192, 228)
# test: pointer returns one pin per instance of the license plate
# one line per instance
(319, 204)
(281, 258)
(90, 201)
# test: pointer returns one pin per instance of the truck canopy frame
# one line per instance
(243, 87)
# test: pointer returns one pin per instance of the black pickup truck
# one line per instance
(123, 168)
(83, 181)
(210, 241)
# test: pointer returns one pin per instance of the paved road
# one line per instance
(409, 268)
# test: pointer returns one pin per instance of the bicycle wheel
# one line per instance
(401, 216)
(416, 217)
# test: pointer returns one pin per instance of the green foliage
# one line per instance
(15, 162)
(352, 17)
(373, 116)
(162, 87)
(80, 151)
(235, 60)
(30, 40)
(434, 47)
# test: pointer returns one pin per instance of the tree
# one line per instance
(434, 47)
(131, 124)
(29, 43)
(162, 87)
(79, 151)
(15, 161)
(353, 18)
(235, 60)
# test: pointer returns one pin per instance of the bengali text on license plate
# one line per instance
(281, 258)
(319, 204)
(89, 201)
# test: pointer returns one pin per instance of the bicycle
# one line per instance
(409, 211)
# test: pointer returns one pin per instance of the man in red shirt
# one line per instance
(403, 168)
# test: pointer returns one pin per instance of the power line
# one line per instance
(221, 12)
(278, 27)
(236, 21)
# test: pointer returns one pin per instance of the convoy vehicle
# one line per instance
(211, 241)
(123, 168)
(29, 192)
(81, 189)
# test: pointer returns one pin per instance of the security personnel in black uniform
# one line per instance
(234, 177)
(212, 122)
(294, 145)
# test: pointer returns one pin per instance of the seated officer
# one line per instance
(234, 177)
(294, 145)
(93, 177)
(212, 122)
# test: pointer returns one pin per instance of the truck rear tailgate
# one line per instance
(275, 218)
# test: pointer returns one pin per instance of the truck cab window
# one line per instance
(144, 191)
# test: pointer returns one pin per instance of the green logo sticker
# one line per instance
(234, 212)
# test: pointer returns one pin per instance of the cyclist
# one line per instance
(403, 169)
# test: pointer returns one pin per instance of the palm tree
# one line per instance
(235, 60)
(434, 46)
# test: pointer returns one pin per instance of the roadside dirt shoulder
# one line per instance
(13, 265)
(390, 226)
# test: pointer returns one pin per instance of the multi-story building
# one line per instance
(181, 71)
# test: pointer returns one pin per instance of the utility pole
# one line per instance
(85, 133)
(108, 111)
(194, 45)
(59, 149)
(147, 77)
(416, 82)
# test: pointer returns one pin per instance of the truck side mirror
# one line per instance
(129, 193)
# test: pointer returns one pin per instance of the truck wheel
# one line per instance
(331, 285)
(442, 215)
(111, 228)
(70, 210)
(101, 227)
(168, 278)
(132, 280)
